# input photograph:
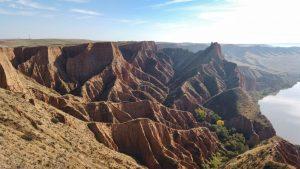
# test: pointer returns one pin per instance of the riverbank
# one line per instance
(283, 110)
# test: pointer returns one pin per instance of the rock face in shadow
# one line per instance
(145, 56)
(95, 71)
(238, 110)
(128, 72)
(156, 145)
(200, 76)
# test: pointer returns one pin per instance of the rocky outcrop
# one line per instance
(110, 112)
(274, 153)
(128, 72)
(121, 81)
(287, 153)
(44, 64)
(146, 57)
(156, 145)
(95, 71)
(173, 118)
(238, 110)
(200, 76)
(9, 78)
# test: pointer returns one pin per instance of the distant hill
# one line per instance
(263, 57)
(40, 42)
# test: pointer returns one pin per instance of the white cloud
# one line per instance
(34, 5)
(4, 1)
(131, 21)
(170, 2)
(17, 13)
(239, 21)
(86, 12)
(77, 1)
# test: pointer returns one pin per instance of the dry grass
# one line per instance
(30, 139)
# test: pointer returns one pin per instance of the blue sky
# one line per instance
(227, 21)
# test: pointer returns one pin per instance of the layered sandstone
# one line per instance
(156, 145)
(200, 76)
(9, 78)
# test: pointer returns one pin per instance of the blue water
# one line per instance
(283, 110)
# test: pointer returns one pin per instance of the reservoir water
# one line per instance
(283, 110)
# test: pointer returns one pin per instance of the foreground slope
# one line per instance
(274, 153)
(34, 134)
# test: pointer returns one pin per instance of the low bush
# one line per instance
(201, 114)
(234, 142)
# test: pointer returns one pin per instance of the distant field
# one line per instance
(41, 42)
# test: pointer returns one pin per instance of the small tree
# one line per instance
(220, 123)
(201, 114)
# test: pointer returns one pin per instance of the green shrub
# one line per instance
(28, 136)
(55, 120)
(214, 117)
(274, 165)
(201, 114)
(234, 142)
(215, 162)
(221, 131)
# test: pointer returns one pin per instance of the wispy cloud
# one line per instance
(17, 13)
(77, 1)
(131, 21)
(85, 12)
(171, 2)
(5, 1)
(34, 5)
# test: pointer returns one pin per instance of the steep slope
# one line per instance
(200, 76)
(274, 153)
(8, 76)
(262, 57)
(259, 64)
(239, 111)
(156, 145)
(96, 71)
(38, 135)
(146, 57)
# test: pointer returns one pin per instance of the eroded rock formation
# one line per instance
(156, 145)
(135, 98)
(274, 153)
